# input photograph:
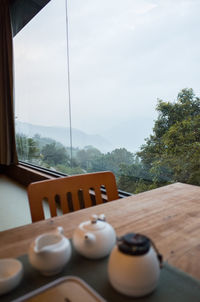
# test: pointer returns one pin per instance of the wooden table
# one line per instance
(169, 215)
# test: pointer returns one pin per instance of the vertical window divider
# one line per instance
(68, 82)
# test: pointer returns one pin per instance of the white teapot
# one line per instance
(50, 252)
(134, 265)
(94, 238)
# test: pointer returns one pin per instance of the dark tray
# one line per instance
(174, 285)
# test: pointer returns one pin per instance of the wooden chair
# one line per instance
(72, 193)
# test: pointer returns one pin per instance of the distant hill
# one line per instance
(62, 135)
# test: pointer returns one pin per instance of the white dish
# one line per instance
(11, 271)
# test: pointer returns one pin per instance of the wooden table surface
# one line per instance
(169, 215)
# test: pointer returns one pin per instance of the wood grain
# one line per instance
(170, 216)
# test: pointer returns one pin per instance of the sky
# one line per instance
(124, 55)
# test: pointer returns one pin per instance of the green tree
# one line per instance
(131, 176)
(117, 158)
(27, 148)
(54, 155)
(111, 161)
(172, 153)
(85, 157)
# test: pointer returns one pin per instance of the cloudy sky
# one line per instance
(124, 55)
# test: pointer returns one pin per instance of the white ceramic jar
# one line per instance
(134, 265)
(94, 238)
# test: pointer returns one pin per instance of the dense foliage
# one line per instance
(171, 153)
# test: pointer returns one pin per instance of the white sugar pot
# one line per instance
(134, 265)
(94, 238)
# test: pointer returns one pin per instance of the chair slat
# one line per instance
(64, 203)
(52, 205)
(75, 200)
(87, 198)
(98, 196)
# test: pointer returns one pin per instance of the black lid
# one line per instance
(134, 244)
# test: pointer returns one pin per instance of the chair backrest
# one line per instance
(72, 192)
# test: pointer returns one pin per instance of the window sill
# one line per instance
(26, 173)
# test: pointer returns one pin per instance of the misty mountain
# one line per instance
(130, 133)
(61, 134)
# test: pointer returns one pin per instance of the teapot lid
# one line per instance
(94, 224)
(134, 244)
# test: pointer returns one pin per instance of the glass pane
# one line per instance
(42, 117)
(124, 57)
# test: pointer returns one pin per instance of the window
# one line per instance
(41, 87)
(126, 58)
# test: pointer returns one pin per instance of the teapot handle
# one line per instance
(159, 256)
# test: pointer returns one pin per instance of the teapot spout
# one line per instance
(47, 243)
(90, 238)
(44, 249)
(37, 250)
(38, 247)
